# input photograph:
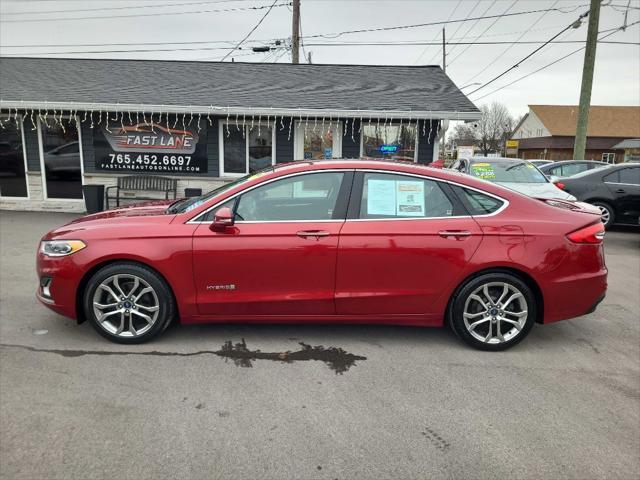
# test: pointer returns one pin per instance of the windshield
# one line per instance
(512, 172)
(187, 204)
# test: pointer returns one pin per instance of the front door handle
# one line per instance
(621, 190)
(454, 233)
(313, 233)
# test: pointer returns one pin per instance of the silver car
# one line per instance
(514, 173)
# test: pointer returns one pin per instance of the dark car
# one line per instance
(615, 190)
(570, 167)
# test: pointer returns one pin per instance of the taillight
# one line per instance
(560, 185)
(593, 234)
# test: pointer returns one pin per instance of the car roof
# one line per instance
(496, 159)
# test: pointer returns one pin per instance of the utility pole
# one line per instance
(295, 33)
(444, 53)
(587, 81)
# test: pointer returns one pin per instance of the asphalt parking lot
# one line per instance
(563, 404)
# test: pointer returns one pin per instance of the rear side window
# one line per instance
(479, 203)
(398, 196)
(630, 176)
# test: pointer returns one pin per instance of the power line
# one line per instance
(444, 22)
(158, 14)
(550, 64)
(517, 64)
(480, 36)
(437, 34)
(318, 44)
(457, 29)
(474, 24)
(231, 42)
(501, 54)
(250, 31)
(129, 7)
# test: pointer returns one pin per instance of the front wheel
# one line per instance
(493, 311)
(128, 303)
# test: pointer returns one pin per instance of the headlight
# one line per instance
(61, 248)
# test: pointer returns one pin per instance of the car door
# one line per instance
(279, 257)
(405, 241)
(624, 185)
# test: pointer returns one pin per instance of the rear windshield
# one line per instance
(514, 172)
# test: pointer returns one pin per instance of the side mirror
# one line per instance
(222, 219)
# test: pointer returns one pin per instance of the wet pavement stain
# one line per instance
(335, 358)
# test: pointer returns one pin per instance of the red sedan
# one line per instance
(332, 241)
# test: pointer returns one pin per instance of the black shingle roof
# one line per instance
(257, 85)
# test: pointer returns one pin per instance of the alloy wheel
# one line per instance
(125, 305)
(604, 214)
(495, 312)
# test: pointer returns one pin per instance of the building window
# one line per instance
(609, 157)
(246, 149)
(394, 142)
(13, 178)
(61, 158)
(316, 140)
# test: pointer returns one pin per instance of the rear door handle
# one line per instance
(621, 190)
(313, 233)
(454, 233)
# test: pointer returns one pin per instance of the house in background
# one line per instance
(548, 132)
(631, 149)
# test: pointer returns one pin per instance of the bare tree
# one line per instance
(494, 127)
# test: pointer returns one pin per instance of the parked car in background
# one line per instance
(332, 241)
(519, 175)
(569, 168)
(614, 189)
(539, 163)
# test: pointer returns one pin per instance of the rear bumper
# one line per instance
(574, 296)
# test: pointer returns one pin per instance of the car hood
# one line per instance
(155, 207)
(538, 190)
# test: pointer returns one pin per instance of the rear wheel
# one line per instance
(606, 213)
(128, 303)
(493, 311)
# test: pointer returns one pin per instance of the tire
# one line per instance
(144, 312)
(608, 215)
(511, 312)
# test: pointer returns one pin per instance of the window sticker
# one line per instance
(381, 197)
(410, 198)
(483, 170)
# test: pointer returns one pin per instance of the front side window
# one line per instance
(246, 149)
(13, 181)
(393, 142)
(398, 196)
(61, 159)
(306, 197)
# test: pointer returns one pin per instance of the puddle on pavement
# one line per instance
(336, 358)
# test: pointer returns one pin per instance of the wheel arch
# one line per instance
(521, 274)
(80, 316)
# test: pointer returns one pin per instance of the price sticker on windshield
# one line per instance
(483, 170)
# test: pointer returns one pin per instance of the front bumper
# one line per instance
(65, 277)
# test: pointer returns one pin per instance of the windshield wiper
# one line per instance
(174, 207)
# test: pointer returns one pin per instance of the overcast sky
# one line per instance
(140, 22)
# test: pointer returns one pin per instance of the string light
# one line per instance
(259, 125)
(33, 122)
(290, 123)
(237, 123)
(244, 124)
(282, 123)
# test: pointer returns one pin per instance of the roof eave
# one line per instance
(233, 111)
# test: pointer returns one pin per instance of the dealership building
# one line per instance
(67, 123)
